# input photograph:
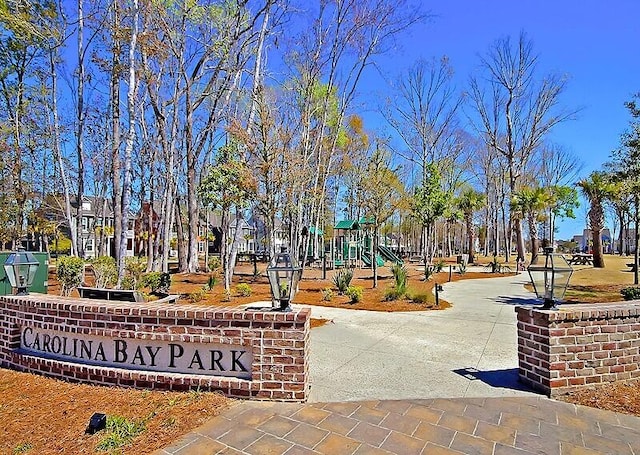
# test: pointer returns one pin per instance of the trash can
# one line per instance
(40, 281)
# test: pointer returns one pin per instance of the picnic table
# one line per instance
(581, 258)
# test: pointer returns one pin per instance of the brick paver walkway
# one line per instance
(492, 426)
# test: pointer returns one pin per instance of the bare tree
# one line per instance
(515, 110)
(331, 58)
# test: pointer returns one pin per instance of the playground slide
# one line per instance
(366, 260)
(389, 255)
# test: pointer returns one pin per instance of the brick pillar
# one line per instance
(578, 346)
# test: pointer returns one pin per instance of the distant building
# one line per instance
(585, 241)
(628, 238)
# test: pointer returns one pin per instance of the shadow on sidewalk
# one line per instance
(511, 300)
(504, 379)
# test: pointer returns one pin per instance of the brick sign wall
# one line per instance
(246, 354)
(578, 346)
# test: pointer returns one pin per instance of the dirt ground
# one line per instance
(47, 416)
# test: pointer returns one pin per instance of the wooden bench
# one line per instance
(120, 295)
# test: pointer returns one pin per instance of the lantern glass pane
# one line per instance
(11, 275)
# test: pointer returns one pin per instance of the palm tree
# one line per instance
(469, 202)
(530, 202)
(597, 188)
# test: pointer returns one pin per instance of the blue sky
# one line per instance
(595, 43)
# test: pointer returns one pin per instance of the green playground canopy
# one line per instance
(348, 224)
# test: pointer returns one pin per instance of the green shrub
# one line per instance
(393, 294)
(439, 266)
(211, 282)
(400, 278)
(342, 280)
(354, 293)
(197, 296)
(327, 294)
(134, 267)
(243, 290)
(128, 282)
(60, 246)
(429, 270)
(105, 271)
(631, 293)
(23, 447)
(462, 268)
(497, 267)
(156, 282)
(120, 432)
(214, 264)
(421, 298)
(70, 271)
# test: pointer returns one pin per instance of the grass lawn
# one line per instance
(591, 285)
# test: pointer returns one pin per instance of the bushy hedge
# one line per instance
(631, 293)
(70, 271)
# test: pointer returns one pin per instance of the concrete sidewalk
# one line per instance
(469, 350)
(485, 426)
(402, 383)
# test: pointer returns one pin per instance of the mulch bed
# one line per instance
(46, 416)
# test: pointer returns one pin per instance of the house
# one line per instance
(96, 230)
(261, 235)
(210, 234)
(585, 242)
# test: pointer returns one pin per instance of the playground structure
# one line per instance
(351, 246)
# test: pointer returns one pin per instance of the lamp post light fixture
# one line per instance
(284, 275)
(20, 268)
(550, 281)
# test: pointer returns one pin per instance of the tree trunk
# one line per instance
(181, 242)
(374, 254)
(131, 137)
(598, 257)
(58, 154)
(621, 233)
(636, 255)
(535, 242)
(234, 249)
(224, 246)
(470, 246)
(114, 94)
(517, 229)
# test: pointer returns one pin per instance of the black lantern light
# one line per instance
(550, 281)
(20, 268)
(284, 275)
